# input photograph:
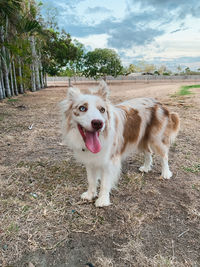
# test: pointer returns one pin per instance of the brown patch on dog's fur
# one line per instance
(76, 113)
(107, 123)
(153, 124)
(131, 127)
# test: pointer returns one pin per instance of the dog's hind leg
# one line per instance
(147, 162)
(110, 174)
(166, 173)
(162, 150)
(92, 175)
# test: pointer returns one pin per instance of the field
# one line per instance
(43, 222)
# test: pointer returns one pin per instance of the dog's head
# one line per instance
(89, 114)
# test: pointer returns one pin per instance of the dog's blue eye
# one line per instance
(82, 108)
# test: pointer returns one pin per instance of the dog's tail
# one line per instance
(175, 125)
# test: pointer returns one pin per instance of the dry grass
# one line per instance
(152, 222)
(133, 255)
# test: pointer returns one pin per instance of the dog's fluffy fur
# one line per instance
(137, 125)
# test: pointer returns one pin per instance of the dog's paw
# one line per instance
(88, 195)
(102, 202)
(167, 174)
(145, 169)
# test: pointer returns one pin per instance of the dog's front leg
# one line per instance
(92, 177)
(110, 175)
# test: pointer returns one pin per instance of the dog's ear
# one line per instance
(103, 90)
(73, 93)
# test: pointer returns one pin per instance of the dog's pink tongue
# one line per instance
(92, 141)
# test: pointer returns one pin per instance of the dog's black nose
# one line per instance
(97, 124)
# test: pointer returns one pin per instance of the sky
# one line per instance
(156, 31)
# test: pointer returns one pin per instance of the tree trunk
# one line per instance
(35, 62)
(14, 78)
(21, 89)
(11, 77)
(33, 86)
(1, 89)
(37, 76)
(41, 71)
(45, 80)
(2, 84)
(4, 65)
(41, 76)
(1, 92)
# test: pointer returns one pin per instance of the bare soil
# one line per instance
(43, 222)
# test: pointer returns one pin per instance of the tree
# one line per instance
(18, 27)
(30, 47)
(179, 68)
(149, 68)
(75, 67)
(162, 69)
(187, 70)
(58, 50)
(131, 69)
(102, 62)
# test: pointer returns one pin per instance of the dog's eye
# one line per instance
(82, 109)
(102, 110)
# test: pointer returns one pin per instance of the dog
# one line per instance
(101, 135)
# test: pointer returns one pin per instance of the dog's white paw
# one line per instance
(145, 169)
(88, 195)
(167, 174)
(102, 202)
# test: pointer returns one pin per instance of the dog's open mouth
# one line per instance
(91, 139)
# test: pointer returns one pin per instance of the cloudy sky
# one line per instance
(157, 31)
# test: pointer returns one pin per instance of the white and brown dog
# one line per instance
(101, 135)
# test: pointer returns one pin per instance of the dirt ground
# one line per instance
(43, 222)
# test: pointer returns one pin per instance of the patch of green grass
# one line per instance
(13, 228)
(185, 90)
(13, 100)
(194, 169)
(25, 208)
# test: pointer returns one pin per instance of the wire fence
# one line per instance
(129, 78)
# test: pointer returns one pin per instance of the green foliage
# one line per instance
(27, 25)
(166, 74)
(156, 72)
(102, 62)
(75, 67)
(8, 10)
(58, 50)
(131, 69)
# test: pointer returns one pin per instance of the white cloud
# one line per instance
(94, 41)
